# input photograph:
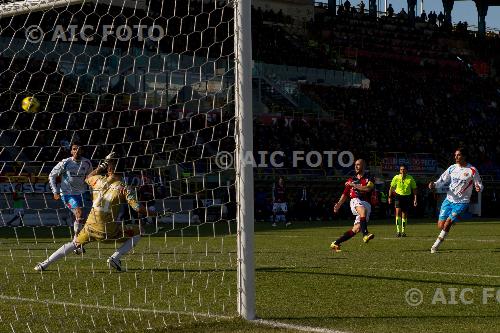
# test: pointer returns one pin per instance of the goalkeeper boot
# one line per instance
(115, 263)
(39, 267)
(79, 250)
(368, 237)
(335, 247)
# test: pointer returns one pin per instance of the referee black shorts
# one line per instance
(403, 201)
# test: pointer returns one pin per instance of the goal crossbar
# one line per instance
(29, 6)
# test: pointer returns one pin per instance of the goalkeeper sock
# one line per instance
(59, 253)
(440, 239)
(398, 219)
(346, 236)
(364, 225)
(403, 224)
(78, 225)
(127, 246)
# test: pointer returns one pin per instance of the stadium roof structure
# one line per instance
(488, 2)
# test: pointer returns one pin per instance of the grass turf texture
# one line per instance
(180, 283)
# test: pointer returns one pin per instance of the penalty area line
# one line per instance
(112, 308)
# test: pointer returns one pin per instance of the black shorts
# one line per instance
(403, 201)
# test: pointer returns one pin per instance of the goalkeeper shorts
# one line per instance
(119, 233)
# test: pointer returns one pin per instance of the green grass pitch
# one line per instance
(186, 282)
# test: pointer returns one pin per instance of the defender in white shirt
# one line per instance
(460, 178)
(73, 171)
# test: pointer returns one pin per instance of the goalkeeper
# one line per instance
(109, 191)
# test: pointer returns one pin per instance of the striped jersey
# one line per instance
(353, 193)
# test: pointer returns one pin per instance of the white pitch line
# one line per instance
(277, 324)
(432, 272)
(447, 239)
(104, 307)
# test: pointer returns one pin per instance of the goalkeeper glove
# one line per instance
(104, 164)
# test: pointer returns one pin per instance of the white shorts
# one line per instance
(355, 203)
(280, 207)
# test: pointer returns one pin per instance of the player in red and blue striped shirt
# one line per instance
(358, 189)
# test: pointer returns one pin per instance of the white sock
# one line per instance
(127, 246)
(59, 253)
(78, 225)
(440, 239)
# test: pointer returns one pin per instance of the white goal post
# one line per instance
(244, 171)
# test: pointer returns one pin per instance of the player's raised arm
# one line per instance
(134, 203)
(478, 183)
(94, 172)
(101, 168)
(443, 180)
(56, 172)
(343, 197)
(339, 204)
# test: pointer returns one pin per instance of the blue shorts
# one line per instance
(72, 201)
(454, 211)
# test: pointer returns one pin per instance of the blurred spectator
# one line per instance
(362, 7)
(390, 11)
(402, 14)
(423, 16)
(440, 18)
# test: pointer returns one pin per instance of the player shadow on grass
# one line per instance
(387, 278)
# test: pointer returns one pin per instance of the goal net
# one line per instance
(155, 82)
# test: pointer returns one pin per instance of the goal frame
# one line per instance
(243, 137)
(244, 146)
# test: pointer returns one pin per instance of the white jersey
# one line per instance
(460, 181)
(72, 174)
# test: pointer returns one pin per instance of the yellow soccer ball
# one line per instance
(30, 104)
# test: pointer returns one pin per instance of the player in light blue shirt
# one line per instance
(460, 179)
(73, 171)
